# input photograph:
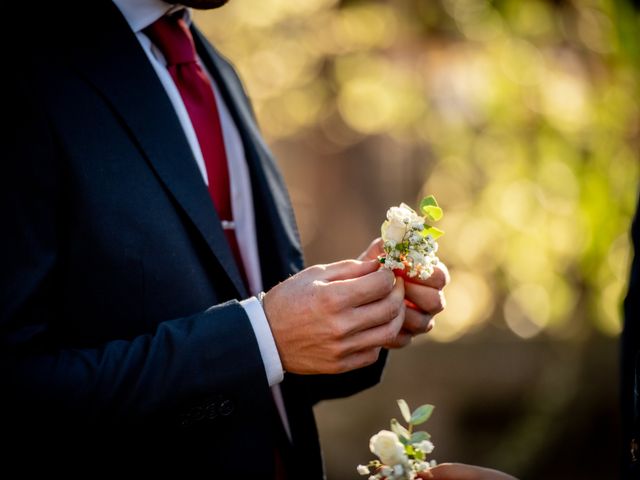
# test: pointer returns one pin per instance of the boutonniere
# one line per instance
(402, 452)
(410, 240)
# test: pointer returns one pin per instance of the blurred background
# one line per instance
(523, 118)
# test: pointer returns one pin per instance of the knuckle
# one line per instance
(389, 334)
(367, 358)
(372, 356)
(338, 331)
(328, 298)
(387, 280)
(343, 366)
(418, 322)
(392, 310)
(404, 339)
(316, 270)
(335, 353)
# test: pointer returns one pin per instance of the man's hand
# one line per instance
(335, 318)
(424, 298)
(459, 471)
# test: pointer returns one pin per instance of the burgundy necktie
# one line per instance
(172, 36)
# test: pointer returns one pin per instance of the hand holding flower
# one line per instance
(423, 298)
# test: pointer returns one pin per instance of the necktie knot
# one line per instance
(172, 36)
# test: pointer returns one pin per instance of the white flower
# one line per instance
(421, 466)
(426, 446)
(398, 470)
(415, 238)
(399, 221)
(417, 257)
(405, 214)
(387, 447)
(363, 470)
(393, 231)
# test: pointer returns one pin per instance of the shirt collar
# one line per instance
(139, 14)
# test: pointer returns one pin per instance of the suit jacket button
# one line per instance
(191, 416)
(226, 408)
(211, 411)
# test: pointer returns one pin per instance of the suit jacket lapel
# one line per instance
(113, 60)
(280, 250)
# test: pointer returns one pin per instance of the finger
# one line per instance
(439, 279)
(347, 269)
(403, 339)
(427, 299)
(417, 322)
(359, 291)
(379, 312)
(378, 336)
(374, 249)
(359, 359)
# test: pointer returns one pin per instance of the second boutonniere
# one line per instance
(402, 451)
(410, 240)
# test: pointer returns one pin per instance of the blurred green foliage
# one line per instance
(529, 113)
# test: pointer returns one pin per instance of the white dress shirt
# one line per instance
(139, 14)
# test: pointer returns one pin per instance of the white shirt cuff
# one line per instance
(266, 342)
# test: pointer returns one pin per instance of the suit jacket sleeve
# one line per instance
(180, 362)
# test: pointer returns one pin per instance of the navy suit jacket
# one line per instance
(123, 342)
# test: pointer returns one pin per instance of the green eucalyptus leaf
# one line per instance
(429, 201)
(433, 214)
(419, 455)
(410, 451)
(417, 437)
(421, 414)
(433, 231)
(404, 409)
(399, 430)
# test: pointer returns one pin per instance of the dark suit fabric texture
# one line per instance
(630, 391)
(123, 341)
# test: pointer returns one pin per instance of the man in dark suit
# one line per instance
(143, 217)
